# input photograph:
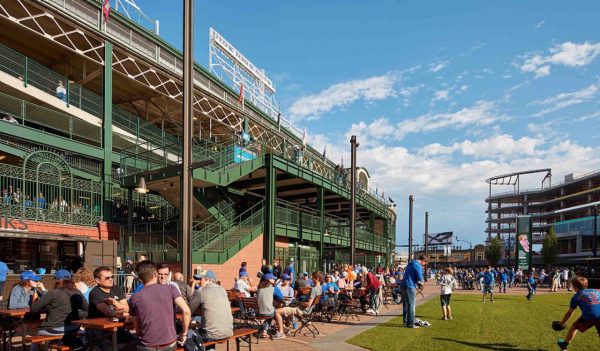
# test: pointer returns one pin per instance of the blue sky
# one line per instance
(441, 94)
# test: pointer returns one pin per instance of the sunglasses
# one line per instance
(107, 278)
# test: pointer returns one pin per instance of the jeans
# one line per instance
(409, 296)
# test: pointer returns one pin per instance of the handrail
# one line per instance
(205, 233)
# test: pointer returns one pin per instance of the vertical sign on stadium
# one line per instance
(524, 243)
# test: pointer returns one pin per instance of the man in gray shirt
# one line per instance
(212, 303)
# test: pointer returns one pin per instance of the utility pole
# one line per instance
(186, 174)
(410, 232)
(353, 145)
(426, 241)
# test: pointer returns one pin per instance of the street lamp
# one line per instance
(470, 248)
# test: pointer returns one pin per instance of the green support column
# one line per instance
(246, 124)
(270, 201)
(321, 211)
(387, 243)
(107, 132)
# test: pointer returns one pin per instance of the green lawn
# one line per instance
(510, 323)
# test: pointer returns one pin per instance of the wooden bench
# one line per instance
(46, 339)
(238, 334)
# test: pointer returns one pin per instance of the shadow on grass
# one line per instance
(487, 346)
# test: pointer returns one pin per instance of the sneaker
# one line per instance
(492, 300)
(278, 336)
(444, 318)
(371, 313)
(562, 344)
(450, 317)
(483, 301)
(413, 327)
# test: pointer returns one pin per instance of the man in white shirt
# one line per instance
(244, 285)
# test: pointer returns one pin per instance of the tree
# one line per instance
(549, 248)
(493, 252)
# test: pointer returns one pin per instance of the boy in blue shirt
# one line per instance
(488, 283)
(588, 300)
(530, 286)
(503, 281)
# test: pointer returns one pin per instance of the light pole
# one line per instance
(410, 223)
(470, 248)
(426, 240)
(353, 145)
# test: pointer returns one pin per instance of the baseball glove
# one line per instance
(557, 326)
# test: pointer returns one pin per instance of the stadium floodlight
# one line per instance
(232, 67)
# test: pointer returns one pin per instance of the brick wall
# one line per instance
(227, 271)
(58, 229)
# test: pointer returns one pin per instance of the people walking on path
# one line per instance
(488, 283)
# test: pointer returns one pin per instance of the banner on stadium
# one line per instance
(524, 243)
(444, 238)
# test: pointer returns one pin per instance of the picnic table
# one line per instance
(102, 323)
(19, 315)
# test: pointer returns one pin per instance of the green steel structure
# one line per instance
(119, 120)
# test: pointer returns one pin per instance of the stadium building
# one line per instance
(569, 207)
(91, 143)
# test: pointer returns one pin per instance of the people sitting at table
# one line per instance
(154, 313)
(108, 300)
(213, 304)
(287, 313)
(27, 291)
(268, 294)
(84, 281)
(187, 292)
(61, 305)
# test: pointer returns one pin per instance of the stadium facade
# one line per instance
(569, 207)
(92, 108)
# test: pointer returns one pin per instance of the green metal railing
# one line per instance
(150, 236)
(36, 195)
(34, 73)
(213, 236)
(155, 205)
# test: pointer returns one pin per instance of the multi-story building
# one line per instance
(458, 256)
(90, 108)
(568, 206)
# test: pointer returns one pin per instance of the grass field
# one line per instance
(510, 323)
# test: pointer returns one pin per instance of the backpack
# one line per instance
(193, 342)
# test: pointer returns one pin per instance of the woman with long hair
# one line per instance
(61, 305)
(84, 282)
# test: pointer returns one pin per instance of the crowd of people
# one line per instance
(283, 296)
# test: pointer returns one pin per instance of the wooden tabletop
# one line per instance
(99, 323)
(19, 312)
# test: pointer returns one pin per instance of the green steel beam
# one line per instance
(321, 211)
(40, 137)
(270, 201)
(107, 131)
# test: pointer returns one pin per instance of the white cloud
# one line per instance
(408, 92)
(441, 95)
(342, 94)
(564, 100)
(496, 147)
(566, 54)
(540, 24)
(480, 114)
(436, 67)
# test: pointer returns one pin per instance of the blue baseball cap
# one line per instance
(29, 275)
(268, 276)
(208, 274)
(285, 277)
(305, 274)
(62, 274)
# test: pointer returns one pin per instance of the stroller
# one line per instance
(468, 284)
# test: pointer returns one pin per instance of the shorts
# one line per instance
(583, 325)
(129, 282)
(287, 312)
(445, 300)
(488, 289)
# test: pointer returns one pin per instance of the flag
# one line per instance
(241, 97)
(304, 137)
(106, 10)
(278, 117)
(444, 238)
(391, 201)
(324, 151)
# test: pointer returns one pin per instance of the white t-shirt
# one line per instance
(242, 286)
(448, 284)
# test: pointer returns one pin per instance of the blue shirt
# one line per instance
(531, 281)
(488, 278)
(138, 288)
(3, 271)
(325, 289)
(19, 298)
(412, 275)
(503, 276)
(589, 302)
